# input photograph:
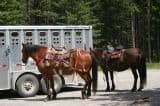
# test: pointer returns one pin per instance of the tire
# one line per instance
(27, 85)
(58, 84)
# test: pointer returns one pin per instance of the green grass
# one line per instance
(153, 65)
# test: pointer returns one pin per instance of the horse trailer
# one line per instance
(26, 79)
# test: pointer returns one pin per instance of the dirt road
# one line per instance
(150, 96)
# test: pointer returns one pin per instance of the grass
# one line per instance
(149, 66)
(153, 65)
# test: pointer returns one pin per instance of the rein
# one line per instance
(38, 61)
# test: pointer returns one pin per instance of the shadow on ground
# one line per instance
(11, 95)
(116, 98)
(146, 97)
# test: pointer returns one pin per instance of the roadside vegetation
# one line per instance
(153, 65)
(130, 23)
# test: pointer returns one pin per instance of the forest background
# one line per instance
(131, 23)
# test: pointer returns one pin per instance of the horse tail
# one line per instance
(94, 74)
(143, 70)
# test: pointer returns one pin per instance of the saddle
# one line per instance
(116, 55)
(55, 54)
(60, 56)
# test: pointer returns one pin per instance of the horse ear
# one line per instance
(23, 44)
(90, 49)
(53, 46)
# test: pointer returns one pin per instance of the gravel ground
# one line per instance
(71, 96)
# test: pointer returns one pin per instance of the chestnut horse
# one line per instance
(49, 63)
(119, 61)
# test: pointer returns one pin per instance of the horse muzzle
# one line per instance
(25, 62)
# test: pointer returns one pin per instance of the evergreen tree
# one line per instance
(116, 20)
(12, 12)
(80, 12)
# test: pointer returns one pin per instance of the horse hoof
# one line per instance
(54, 97)
(88, 95)
(84, 96)
(113, 89)
(107, 89)
(140, 89)
(47, 98)
(133, 90)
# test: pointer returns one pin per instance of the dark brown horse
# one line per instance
(119, 61)
(50, 63)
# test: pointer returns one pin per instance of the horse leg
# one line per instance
(142, 73)
(89, 85)
(112, 79)
(48, 89)
(135, 75)
(53, 90)
(107, 79)
(141, 83)
(85, 77)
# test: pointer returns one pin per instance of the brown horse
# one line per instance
(50, 63)
(119, 61)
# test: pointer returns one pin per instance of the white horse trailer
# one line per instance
(26, 79)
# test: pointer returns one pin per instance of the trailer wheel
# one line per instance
(58, 84)
(27, 85)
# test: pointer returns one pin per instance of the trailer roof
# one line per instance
(46, 27)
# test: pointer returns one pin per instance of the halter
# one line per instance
(38, 60)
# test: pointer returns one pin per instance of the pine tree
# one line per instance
(12, 12)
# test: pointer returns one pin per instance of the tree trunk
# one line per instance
(133, 29)
(149, 32)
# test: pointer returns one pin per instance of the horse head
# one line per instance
(97, 52)
(25, 54)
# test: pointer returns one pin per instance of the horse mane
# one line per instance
(33, 48)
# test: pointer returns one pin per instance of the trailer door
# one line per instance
(15, 44)
(79, 39)
(42, 38)
(55, 39)
(4, 62)
(29, 38)
(68, 39)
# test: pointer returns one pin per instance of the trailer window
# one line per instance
(28, 33)
(28, 37)
(78, 37)
(42, 38)
(14, 38)
(67, 33)
(14, 34)
(78, 33)
(55, 33)
(42, 33)
(55, 39)
(2, 39)
(1, 34)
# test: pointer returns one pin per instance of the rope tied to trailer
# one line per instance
(7, 51)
